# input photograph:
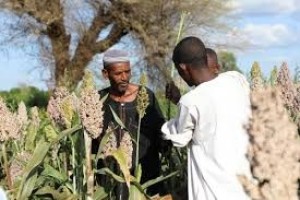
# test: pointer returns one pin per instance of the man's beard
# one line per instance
(122, 87)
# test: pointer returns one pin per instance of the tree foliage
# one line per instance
(297, 74)
(69, 33)
(31, 96)
(227, 61)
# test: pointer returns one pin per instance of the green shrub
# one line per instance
(30, 95)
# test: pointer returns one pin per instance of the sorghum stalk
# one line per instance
(142, 104)
(17, 146)
(179, 33)
(89, 170)
(138, 143)
(73, 165)
(6, 168)
(65, 158)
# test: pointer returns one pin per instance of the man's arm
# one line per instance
(173, 93)
(180, 129)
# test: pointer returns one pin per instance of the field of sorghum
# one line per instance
(48, 155)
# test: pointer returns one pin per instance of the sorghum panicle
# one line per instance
(88, 81)
(286, 85)
(111, 144)
(274, 76)
(67, 110)
(9, 124)
(142, 97)
(127, 146)
(4, 113)
(257, 81)
(22, 115)
(18, 165)
(61, 107)
(34, 117)
(274, 151)
(90, 108)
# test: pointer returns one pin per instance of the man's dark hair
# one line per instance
(212, 54)
(190, 50)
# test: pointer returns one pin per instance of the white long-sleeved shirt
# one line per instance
(211, 121)
(2, 194)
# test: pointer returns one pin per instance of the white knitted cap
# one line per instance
(115, 56)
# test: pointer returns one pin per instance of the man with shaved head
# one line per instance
(173, 92)
(211, 122)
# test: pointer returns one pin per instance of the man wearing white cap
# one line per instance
(122, 99)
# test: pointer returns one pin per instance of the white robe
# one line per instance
(211, 121)
(2, 194)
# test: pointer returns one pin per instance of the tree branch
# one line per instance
(82, 59)
(60, 42)
(88, 45)
(114, 36)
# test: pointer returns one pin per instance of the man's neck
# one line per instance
(206, 75)
(128, 96)
(116, 93)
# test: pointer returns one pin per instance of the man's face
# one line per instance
(119, 75)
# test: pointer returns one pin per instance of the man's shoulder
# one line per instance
(237, 77)
(234, 74)
(194, 97)
(103, 92)
(149, 91)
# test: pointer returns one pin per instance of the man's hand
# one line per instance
(172, 92)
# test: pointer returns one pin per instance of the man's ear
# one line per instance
(105, 73)
(218, 68)
(182, 66)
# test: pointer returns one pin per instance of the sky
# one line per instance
(270, 27)
(273, 29)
